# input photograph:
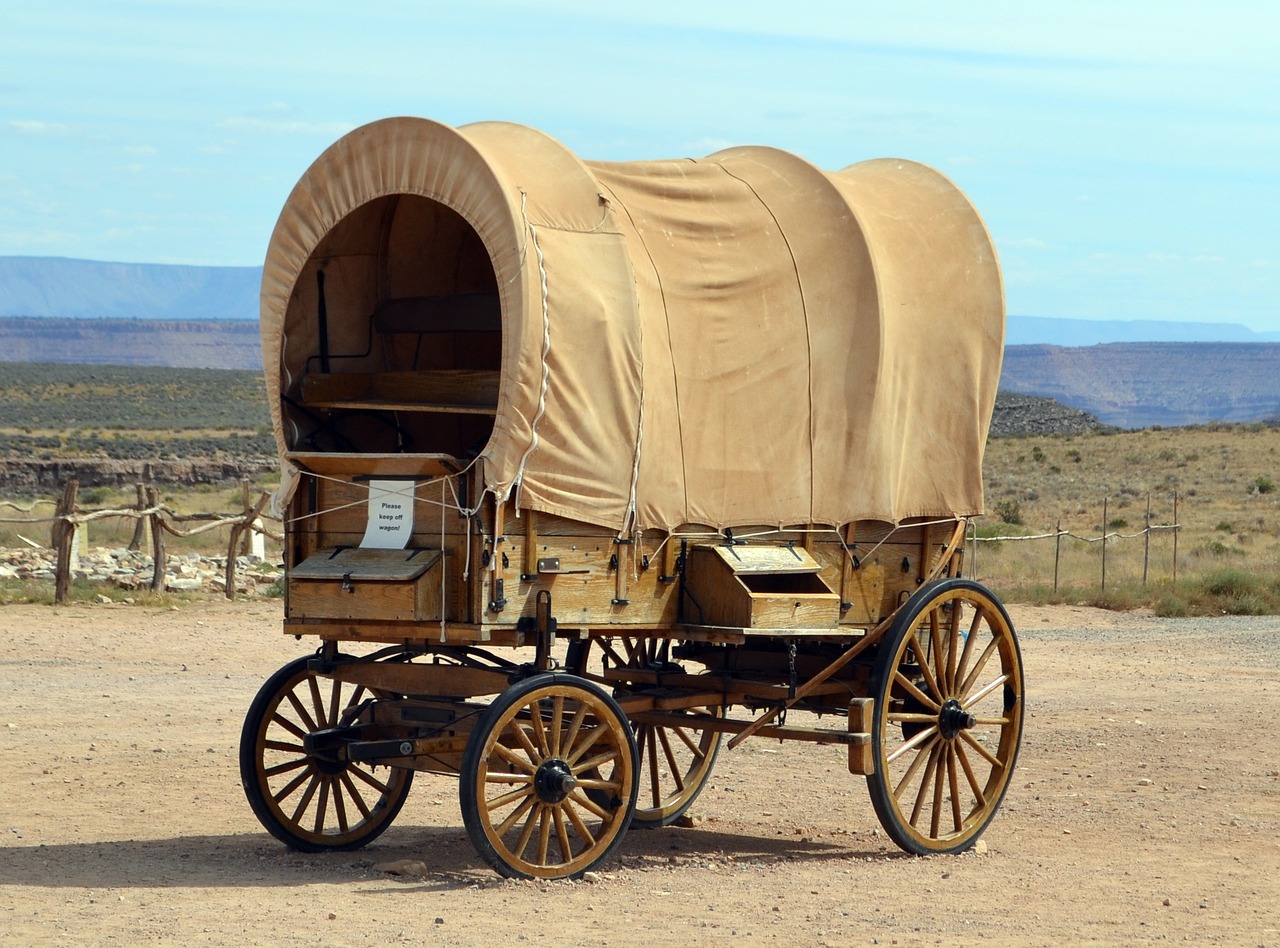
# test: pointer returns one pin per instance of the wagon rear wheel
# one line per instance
(948, 689)
(310, 800)
(548, 780)
(675, 761)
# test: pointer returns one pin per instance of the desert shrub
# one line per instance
(1009, 511)
(1262, 484)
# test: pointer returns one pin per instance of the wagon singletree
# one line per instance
(700, 437)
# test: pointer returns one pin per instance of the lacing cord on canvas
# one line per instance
(546, 351)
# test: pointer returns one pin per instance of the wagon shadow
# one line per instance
(252, 860)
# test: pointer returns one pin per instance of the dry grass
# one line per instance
(1228, 510)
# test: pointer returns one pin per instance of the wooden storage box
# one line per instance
(758, 587)
(356, 583)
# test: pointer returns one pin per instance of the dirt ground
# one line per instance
(1146, 807)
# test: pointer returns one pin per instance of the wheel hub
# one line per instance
(553, 781)
(953, 719)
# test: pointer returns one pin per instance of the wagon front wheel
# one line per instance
(304, 797)
(548, 783)
(948, 690)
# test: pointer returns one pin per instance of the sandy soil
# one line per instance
(1146, 807)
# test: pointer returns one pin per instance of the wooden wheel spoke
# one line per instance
(926, 782)
(526, 832)
(317, 702)
(514, 816)
(597, 783)
(927, 674)
(287, 790)
(687, 741)
(370, 779)
(322, 807)
(912, 717)
(540, 741)
(574, 753)
(523, 738)
(339, 805)
(516, 760)
(298, 732)
(571, 811)
(978, 794)
(953, 645)
(508, 798)
(578, 797)
(499, 776)
(604, 757)
(557, 719)
(354, 792)
(936, 654)
(981, 663)
(575, 726)
(986, 689)
(992, 722)
(914, 741)
(676, 777)
(335, 698)
(921, 757)
(954, 780)
(286, 748)
(991, 758)
(287, 766)
(312, 784)
(939, 782)
(966, 653)
(655, 787)
(562, 834)
(544, 836)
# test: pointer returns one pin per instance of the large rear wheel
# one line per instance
(948, 690)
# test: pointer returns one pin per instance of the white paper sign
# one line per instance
(390, 515)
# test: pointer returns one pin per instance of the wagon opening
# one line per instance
(393, 336)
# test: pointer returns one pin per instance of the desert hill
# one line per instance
(1142, 384)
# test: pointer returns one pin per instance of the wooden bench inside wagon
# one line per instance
(700, 437)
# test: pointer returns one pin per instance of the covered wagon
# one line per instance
(588, 465)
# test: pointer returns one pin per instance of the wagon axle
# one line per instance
(953, 719)
(554, 781)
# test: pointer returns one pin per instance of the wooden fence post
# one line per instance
(63, 536)
(1104, 544)
(247, 535)
(157, 541)
(243, 527)
(140, 538)
(1146, 542)
(1177, 528)
(1057, 552)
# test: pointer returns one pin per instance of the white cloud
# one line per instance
(36, 127)
(293, 127)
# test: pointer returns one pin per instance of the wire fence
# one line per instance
(1105, 538)
(153, 521)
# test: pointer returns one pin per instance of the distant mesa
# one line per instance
(1127, 374)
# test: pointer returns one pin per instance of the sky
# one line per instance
(1125, 156)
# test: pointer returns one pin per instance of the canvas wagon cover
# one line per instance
(742, 339)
